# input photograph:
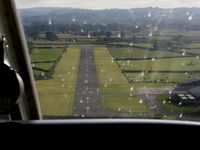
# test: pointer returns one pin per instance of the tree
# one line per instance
(30, 46)
(122, 33)
(178, 39)
(51, 36)
(33, 34)
(155, 44)
(108, 34)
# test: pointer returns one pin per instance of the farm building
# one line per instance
(187, 92)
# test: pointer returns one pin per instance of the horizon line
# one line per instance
(109, 8)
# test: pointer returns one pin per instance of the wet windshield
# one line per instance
(112, 58)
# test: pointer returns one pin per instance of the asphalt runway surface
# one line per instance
(87, 101)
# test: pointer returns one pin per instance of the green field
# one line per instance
(194, 51)
(45, 66)
(52, 46)
(160, 77)
(46, 54)
(170, 107)
(172, 64)
(124, 104)
(111, 79)
(56, 95)
(193, 45)
(139, 53)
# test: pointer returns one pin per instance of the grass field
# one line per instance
(52, 46)
(42, 55)
(161, 77)
(194, 51)
(111, 79)
(170, 107)
(46, 54)
(172, 64)
(139, 53)
(56, 95)
(124, 104)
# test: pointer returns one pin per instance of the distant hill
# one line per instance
(139, 16)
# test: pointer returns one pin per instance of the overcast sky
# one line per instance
(103, 4)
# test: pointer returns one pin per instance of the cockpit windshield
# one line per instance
(113, 58)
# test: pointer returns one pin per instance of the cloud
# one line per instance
(102, 4)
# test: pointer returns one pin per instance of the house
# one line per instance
(187, 92)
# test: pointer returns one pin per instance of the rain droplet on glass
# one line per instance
(131, 89)
(181, 115)
(149, 14)
(105, 85)
(190, 17)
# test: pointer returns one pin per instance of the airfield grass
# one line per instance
(173, 108)
(171, 64)
(111, 79)
(52, 46)
(193, 45)
(145, 45)
(124, 104)
(161, 77)
(194, 51)
(45, 66)
(56, 95)
(46, 54)
(139, 53)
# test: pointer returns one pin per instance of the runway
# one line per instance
(87, 102)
